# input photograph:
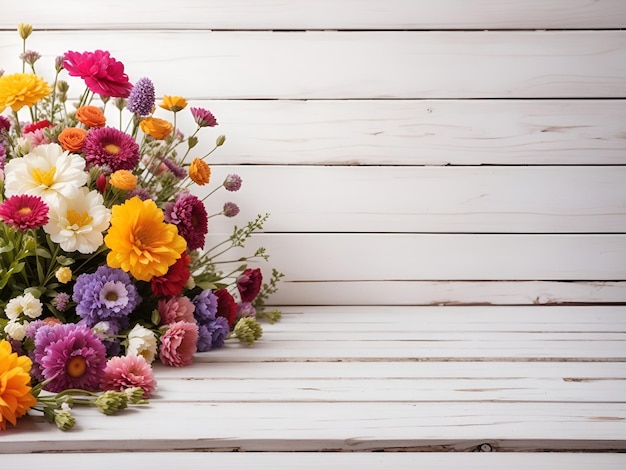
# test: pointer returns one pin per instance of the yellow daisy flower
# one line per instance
(141, 243)
(22, 89)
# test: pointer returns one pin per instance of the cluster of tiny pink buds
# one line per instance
(232, 182)
(230, 209)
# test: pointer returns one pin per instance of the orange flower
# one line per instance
(15, 390)
(91, 116)
(199, 172)
(173, 103)
(155, 127)
(72, 139)
(123, 179)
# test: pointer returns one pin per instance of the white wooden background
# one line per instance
(412, 153)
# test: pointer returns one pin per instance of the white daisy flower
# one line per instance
(77, 224)
(142, 342)
(46, 171)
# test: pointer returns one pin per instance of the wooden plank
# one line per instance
(448, 293)
(413, 132)
(464, 257)
(314, 14)
(316, 460)
(333, 426)
(585, 199)
(485, 64)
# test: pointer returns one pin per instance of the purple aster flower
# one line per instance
(246, 309)
(177, 170)
(219, 330)
(205, 338)
(230, 209)
(206, 306)
(203, 117)
(232, 182)
(141, 99)
(189, 215)
(70, 356)
(60, 301)
(112, 147)
(107, 294)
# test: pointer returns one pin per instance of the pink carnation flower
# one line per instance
(178, 344)
(102, 74)
(122, 372)
(176, 309)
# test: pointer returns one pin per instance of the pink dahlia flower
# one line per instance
(122, 372)
(102, 73)
(178, 344)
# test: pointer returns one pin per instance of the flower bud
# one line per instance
(24, 30)
(111, 402)
(232, 182)
(230, 209)
(247, 330)
(64, 420)
(220, 140)
(58, 63)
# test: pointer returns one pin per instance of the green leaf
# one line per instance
(43, 253)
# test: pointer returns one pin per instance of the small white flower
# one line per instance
(101, 328)
(77, 224)
(26, 304)
(142, 342)
(16, 330)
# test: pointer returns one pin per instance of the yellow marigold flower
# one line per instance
(140, 241)
(63, 275)
(199, 172)
(22, 89)
(15, 390)
(123, 179)
(173, 103)
(155, 127)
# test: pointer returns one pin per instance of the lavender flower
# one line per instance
(232, 182)
(107, 294)
(206, 306)
(142, 97)
(203, 117)
(230, 209)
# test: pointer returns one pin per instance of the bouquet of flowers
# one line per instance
(103, 263)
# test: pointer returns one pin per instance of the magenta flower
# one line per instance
(203, 117)
(122, 372)
(24, 211)
(189, 215)
(102, 73)
(178, 344)
(71, 356)
(107, 146)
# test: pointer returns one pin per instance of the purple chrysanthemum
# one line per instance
(230, 209)
(206, 306)
(112, 147)
(142, 98)
(203, 117)
(70, 356)
(232, 182)
(219, 330)
(107, 294)
(189, 215)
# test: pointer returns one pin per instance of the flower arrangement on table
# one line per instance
(103, 264)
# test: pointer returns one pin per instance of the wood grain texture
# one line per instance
(340, 65)
(325, 14)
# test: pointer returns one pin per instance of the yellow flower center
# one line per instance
(112, 149)
(76, 366)
(24, 211)
(45, 178)
(78, 220)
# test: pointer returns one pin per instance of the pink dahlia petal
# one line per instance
(122, 372)
(178, 344)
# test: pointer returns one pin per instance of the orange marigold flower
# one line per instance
(123, 179)
(72, 139)
(155, 127)
(91, 116)
(173, 103)
(199, 172)
(15, 390)
(141, 242)
(22, 89)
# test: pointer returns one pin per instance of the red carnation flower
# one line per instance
(171, 283)
(35, 126)
(226, 306)
(249, 284)
(102, 74)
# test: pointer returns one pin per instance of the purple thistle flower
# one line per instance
(203, 117)
(206, 306)
(141, 193)
(232, 182)
(189, 215)
(107, 294)
(178, 171)
(142, 98)
(219, 330)
(71, 356)
(60, 301)
(230, 209)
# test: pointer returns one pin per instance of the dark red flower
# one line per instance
(34, 126)
(226, 306)
(249, 284)
(172, 283)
